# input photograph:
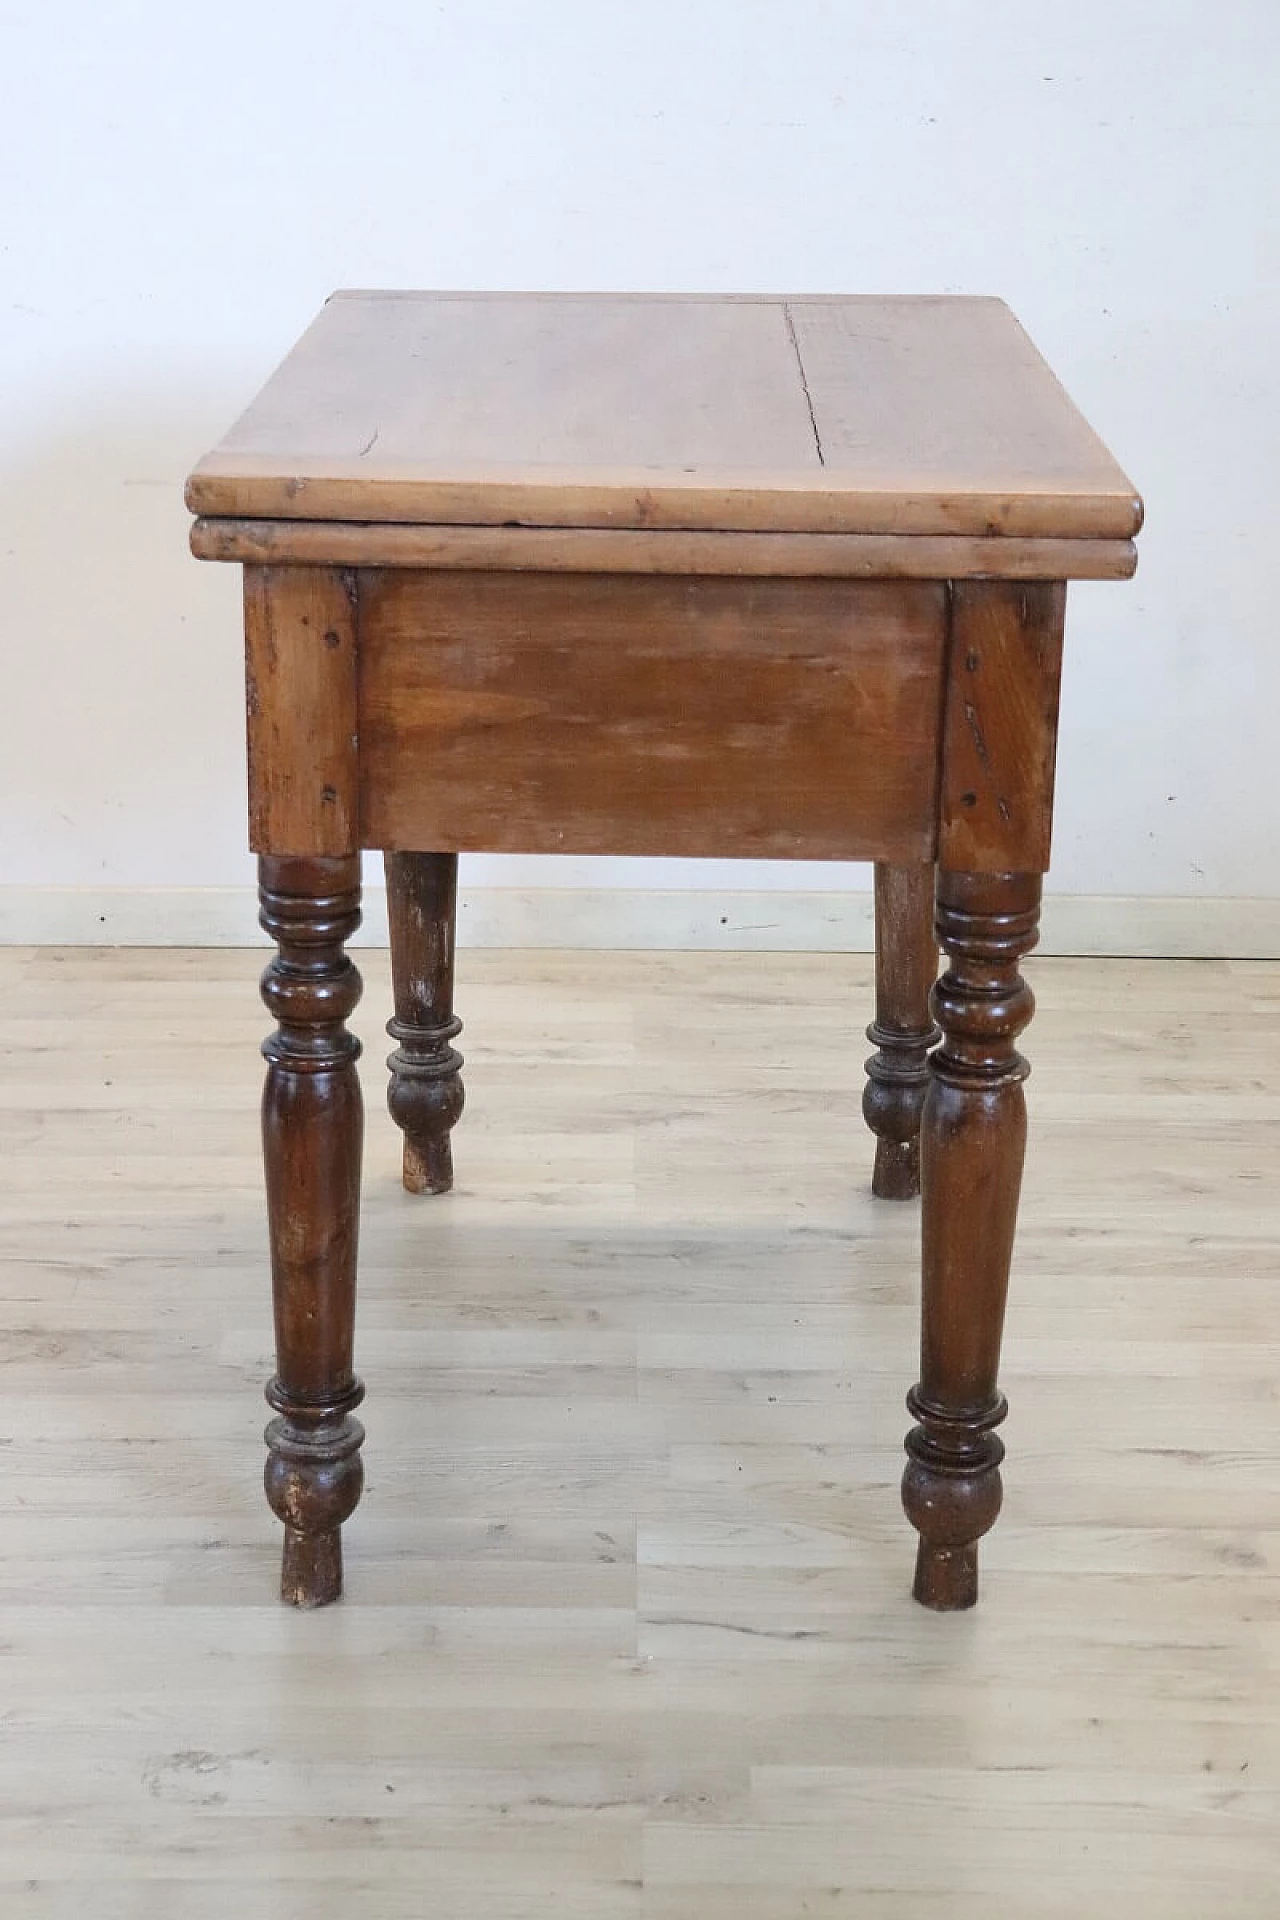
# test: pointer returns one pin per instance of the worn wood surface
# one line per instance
(946, 401)
(854, 556)
(626, 1633)
(903, 1029)
(300, 700)
(1000, 730)
(859, 415)
(619, 715)
(425, 1095)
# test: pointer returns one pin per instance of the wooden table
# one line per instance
(602, 574)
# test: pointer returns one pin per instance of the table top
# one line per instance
(859, 415)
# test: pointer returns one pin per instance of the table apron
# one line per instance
(623, 714)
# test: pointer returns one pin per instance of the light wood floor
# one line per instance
(628, 1630)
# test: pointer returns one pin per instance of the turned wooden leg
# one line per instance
(902, 1031)
(972, 1141)
(425, 1095)
(312, 1125)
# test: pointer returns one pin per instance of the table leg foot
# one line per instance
(311, 1573)
(896, 1174)
(973, 1138)
(903, 1030)
(428, 1167)
(946, 1577)
(425, 1094)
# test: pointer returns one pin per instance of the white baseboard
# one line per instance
(1123, 925)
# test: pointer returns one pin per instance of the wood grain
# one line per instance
(300, 697)
(1000, 731)
(626, 1628)
(948, 401)
(855, 556)
(860, 415)
(623, 715)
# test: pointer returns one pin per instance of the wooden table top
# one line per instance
(829, 416)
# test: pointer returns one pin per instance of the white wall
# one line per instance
(180, 188)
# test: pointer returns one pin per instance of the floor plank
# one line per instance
(627, 1630)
